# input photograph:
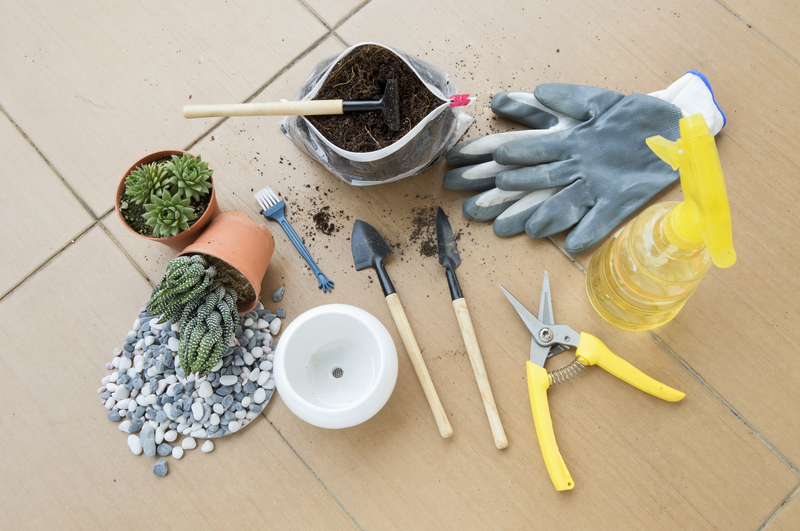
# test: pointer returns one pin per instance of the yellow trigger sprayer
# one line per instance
(643, 275)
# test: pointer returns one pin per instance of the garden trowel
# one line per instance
(369, 249)
(389, 105)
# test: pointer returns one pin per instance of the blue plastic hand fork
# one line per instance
(274, 209)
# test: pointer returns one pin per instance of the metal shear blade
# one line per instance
(546, 316)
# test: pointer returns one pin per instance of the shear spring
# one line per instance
(567, 372)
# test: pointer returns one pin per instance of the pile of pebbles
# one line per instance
(156, 403)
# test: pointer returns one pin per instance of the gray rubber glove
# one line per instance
(584, 162)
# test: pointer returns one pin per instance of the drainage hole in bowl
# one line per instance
(337, 372)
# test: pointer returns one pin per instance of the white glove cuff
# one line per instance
(692, 94)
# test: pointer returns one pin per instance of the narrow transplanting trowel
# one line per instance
(369, 249)
(449, 258)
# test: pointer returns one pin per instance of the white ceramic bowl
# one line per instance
(335, 366)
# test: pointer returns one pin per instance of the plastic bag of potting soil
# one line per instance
(416, 151)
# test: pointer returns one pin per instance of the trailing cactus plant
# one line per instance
(146, 181)
(169, 214)
(206, 328)
(186, 278)
(189, 175)
(190, 293)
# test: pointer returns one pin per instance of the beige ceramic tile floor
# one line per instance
(86, 88)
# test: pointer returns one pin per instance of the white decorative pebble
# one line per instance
(170, 435)
(171, 379)
(207, 446)
(123, 404)
(132, 405)
(162, 386)
(120, 393)
(275, 326)
(246, 401)
(182, 426)
(205, 390)
(234, 426)
(262, 324)
(176, 327)
(137, 324)
(113, 377)
(110, 402)
(249, 333)
(240, 414)
(149, 340)
(124, 425)
(139, 345)
(248, 358)
(218, 409)
(254, 374)
(177, 452)
(171, 390)
(106, 379)
(160, 435)
(150, 399)
(262, 378)
(228, 379)
(217, 367)
(270, 384)
(214, 419)
(197, 411)
(270, 357)
(248, 322)
(251, 415)
(173, 344)
(115, 362)
(188, 443)
(135, 444)
(260, 395)
(125, 364)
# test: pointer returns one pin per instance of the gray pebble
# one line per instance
(138, 382)
(227, 416)
(239, 331)
(256, 408)
(227, 401)
(150, 414)
(280, 312)
(252, 315)
(179, 373)
(136, 425)
(123, 379)
(129, 414)
(236, 370)
(187, 404)
(216, 399)
(238, 396)
(128, 347)
(227, 370)
(178, 389)
(139, 412)
(173, 425)
(278, 295)
(164, 449)
(250, 387)
(238, 361)
(188, 387)
(160, 468)
(161, 416)
(164, 399)
(206, 414)
(270, 317)
(236, 406)
(105, 394)
(128, 386)
(113, 415)
(225, 390)
(237, 387)
(272, 344)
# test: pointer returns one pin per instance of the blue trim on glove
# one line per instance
(711, 90)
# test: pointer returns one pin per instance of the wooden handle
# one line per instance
(276, 108)
(475, 358)
(400, 320)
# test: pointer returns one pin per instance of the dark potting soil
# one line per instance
(227, 275)
(362, 76)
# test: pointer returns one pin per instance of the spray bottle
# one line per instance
(644, 274)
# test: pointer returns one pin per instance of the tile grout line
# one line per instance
(296, 453)
(49, 164)
(263, 87)
(688, 368)
(121, 248)
(47, 261)
(724, 402)
(789, 497)
(749, 26)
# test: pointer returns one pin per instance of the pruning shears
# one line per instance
(550, 339)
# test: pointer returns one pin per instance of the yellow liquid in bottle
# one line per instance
(644, 274)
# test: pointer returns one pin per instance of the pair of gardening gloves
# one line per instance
(583, 162)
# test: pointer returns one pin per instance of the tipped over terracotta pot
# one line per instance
(241, 243)
(183, 238)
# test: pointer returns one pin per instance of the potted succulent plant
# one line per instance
(209, 284)
(168, 197)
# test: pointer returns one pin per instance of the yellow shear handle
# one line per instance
(594, 352)
(538, 383)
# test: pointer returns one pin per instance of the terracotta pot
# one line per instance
(186, 237)
(244, 244)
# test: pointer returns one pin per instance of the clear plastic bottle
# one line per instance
(645, 273)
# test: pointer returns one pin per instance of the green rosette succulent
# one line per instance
(189, 175)
(168, 214)
(146, 181)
